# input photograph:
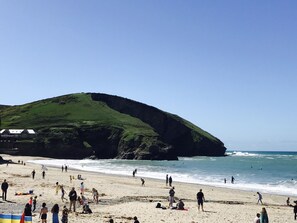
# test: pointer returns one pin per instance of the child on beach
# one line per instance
(95, 195)
(43, 213)
(34, 203)
(65, 215)
(63, 194)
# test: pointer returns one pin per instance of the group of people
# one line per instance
(180, 204)
(262, 217)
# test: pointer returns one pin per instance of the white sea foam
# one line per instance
(276, 177)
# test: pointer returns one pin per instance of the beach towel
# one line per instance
(12, 218)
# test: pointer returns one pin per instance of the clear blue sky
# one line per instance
(229, 67)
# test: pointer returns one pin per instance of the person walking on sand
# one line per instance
(72, 197)
(43, 213)
(4, 187)
(264, 216)
(55, 212)
(171, 197)
(43, 174)
(200, 200)
(142, 181)
(33, 174)
(63, 194)
(170, 181)
(259, 198)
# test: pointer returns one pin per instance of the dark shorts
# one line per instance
(200, 202)
(43, 216)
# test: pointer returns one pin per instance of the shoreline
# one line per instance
(123, 197)
(265, 189)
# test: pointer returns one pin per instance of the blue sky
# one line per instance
(229, 67)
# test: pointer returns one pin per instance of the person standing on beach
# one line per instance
(34, 203)
(264, 216)
(257, 218)
(295, 210)
(82, 188)
(171, 197)
(142, 182)
(166, 179)
(135, 220)
(170, 181)
(55, 212)
(259, 198)
(65, 215)
(72, 197)
(95, 195)
(232, 180)
(66, 168)
(200, 199)
(62, 168)
(57, 188)
(4, 187)
(33, 174)
(43, 213)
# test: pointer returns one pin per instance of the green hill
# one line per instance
(105, 126)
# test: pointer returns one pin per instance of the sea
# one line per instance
(266, 172)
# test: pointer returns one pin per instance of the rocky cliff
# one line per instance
(104, 126)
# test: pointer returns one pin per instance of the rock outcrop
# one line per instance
(104, 126)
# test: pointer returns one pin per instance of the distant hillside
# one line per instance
(104, 126)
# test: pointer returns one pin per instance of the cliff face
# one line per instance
(171, 129)
(104, 126)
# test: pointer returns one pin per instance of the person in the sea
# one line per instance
(72, 197)
(200, 200)
(43, 213)
(264, 216)
(55, 213)
(257, 218)
(4, 187)
(232, 180)
(259, 198)
(170, 181)
(171, 197)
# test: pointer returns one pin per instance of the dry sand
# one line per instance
(123, 197)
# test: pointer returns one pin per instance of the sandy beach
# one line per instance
(123, 197)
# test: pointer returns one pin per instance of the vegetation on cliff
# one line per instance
(105, 126)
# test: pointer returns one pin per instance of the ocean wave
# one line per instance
(235, 153)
